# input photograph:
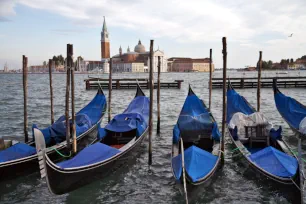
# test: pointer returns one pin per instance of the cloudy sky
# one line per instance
(42, 28)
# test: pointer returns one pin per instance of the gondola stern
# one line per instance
(41, 151)
(139, 91)
(190, 91)
(229, 85)
(100, 90)
(275, 88)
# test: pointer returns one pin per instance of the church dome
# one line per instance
(140, 48)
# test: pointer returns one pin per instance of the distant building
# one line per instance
(5, 69)
(38, 69)
(91, 65)
(139, 59)
(179, 64)
(300, 64)
(105, 48)
(128, 67)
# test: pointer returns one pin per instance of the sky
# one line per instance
(40, 29)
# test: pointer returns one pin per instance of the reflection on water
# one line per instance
(134, 183)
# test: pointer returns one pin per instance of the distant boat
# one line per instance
(282, 72)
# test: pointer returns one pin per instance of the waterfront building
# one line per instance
(91, 65)
(179, 64)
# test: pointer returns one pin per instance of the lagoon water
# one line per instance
(135, 182)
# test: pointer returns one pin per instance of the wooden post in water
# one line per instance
(74, 143)
(51, 90)
(158, 96)
(151, 102)
(224, 51)
(25, 96)
(210, 78)
(110, 87)
(301, 168)
(68, 67)
(259, 80)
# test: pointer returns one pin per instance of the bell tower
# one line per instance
(105, 50)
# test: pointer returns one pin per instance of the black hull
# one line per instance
(28, 165)
(62, 181)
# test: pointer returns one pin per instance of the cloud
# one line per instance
(247, 23)
(184, 21)
(7, 7)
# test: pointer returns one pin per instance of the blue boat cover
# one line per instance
(290, 109)
(85, 119)
(16, 151)
(275, 162)
(198, 163)
(194, 119)
(136, 116)
(235, 104)
(92, 154)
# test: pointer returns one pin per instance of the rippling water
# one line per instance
(135, 183)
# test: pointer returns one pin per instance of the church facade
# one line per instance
(138, 60)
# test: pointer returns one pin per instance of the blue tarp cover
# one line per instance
(92, 154)
(236, 103)
(290, 109)
(16, 151)
(85, 119)
(193, 119)
(136, 116)
(198, 163)
(275, 162)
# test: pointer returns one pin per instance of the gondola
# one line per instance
(115, 144)
(197, 130)
(292, 111)
(258, 142)
(17, 158)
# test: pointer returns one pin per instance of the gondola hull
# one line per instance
(249, 163)
(62, 181)
(24, 166)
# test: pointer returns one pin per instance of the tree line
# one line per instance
(282, 64)
(60, 60)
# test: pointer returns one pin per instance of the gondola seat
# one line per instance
(16, 151)
(257, 134)
(92, 154)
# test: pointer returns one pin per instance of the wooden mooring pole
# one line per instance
(51, 90)
(158, 96)
(25, 96)
(224, 51)
(301, 168)
(259, 80)
(151, 102)
(73, 129)
(68, 67)
(110, 87)
(210, 78)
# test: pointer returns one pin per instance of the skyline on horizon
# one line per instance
(40, 30)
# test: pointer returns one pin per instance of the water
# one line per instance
(135, 183)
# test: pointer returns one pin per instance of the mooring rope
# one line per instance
(65, 156)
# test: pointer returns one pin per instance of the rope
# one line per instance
(61, 153)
